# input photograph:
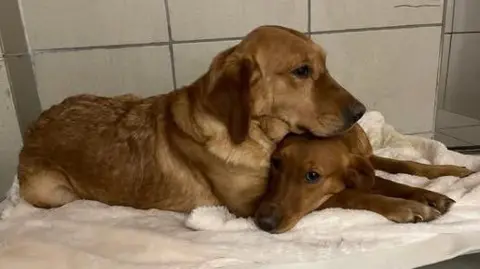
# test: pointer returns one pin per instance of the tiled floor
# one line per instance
(471, 261)
(457, 130)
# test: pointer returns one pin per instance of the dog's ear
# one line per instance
(229, 94)
(360, 174)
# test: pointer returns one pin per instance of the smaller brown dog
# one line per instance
(310, 173)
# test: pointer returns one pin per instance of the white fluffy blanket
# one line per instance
(87, 234)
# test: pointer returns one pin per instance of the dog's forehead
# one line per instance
(324, 150)
(268, 43)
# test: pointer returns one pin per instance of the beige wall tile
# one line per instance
(10, 138)
(73, 23)
(143, 70)
(330, 15)
(231, 18)
(11, 27)
(393, 71)
(192, 60)
(462, 93)
(443, 70)
(466, 16)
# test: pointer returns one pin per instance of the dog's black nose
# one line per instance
(267, 223)
(268, 217)
(357, 111)
(353, 113)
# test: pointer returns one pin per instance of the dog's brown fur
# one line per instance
(208, 143)
(346, 166)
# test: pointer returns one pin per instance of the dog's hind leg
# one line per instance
(417, 169)
(46, 188)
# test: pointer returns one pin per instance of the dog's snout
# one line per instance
(268, 218)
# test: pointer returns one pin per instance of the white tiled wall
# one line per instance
(466, 17)
(144, 71)
(189, 64)
(462, 90)
(384, 68)
(80, 23)
(458, 115)
(204, 19)
(328, 15)
(393, 71)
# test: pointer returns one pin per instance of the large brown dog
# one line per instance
(310, 173)
(208, 143)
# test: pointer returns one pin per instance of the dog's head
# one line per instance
(304, 173)
(279, 74)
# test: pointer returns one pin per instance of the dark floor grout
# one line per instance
(459, 127)
(451, 136)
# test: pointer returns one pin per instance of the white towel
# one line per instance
(87, 234)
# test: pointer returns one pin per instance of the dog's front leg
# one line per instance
(392, 189)
(395, 209)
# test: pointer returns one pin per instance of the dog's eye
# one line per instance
(312, 177)
(276, 163)
(303, 71)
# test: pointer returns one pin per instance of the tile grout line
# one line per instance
(450, 136)
(462, 32)
(459, 127)
(120, 46)
(448, 57)
(309, 18)
(220, 39)
(206, 40)
(440, 66)
(419, 133)
(382, 28)
(170, 45)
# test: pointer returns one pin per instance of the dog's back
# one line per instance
(89, 136)
(108, 146)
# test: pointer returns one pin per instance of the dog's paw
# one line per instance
(458, 171)
(408, 211)
(450, 170)
(433, 199)
(463, 172)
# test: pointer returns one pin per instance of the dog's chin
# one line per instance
(286, 226)
(320, 132)
(298, 129)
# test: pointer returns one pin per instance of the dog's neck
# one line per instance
(191, 117)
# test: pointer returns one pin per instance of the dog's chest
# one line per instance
(239, 188)
(239, 175)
